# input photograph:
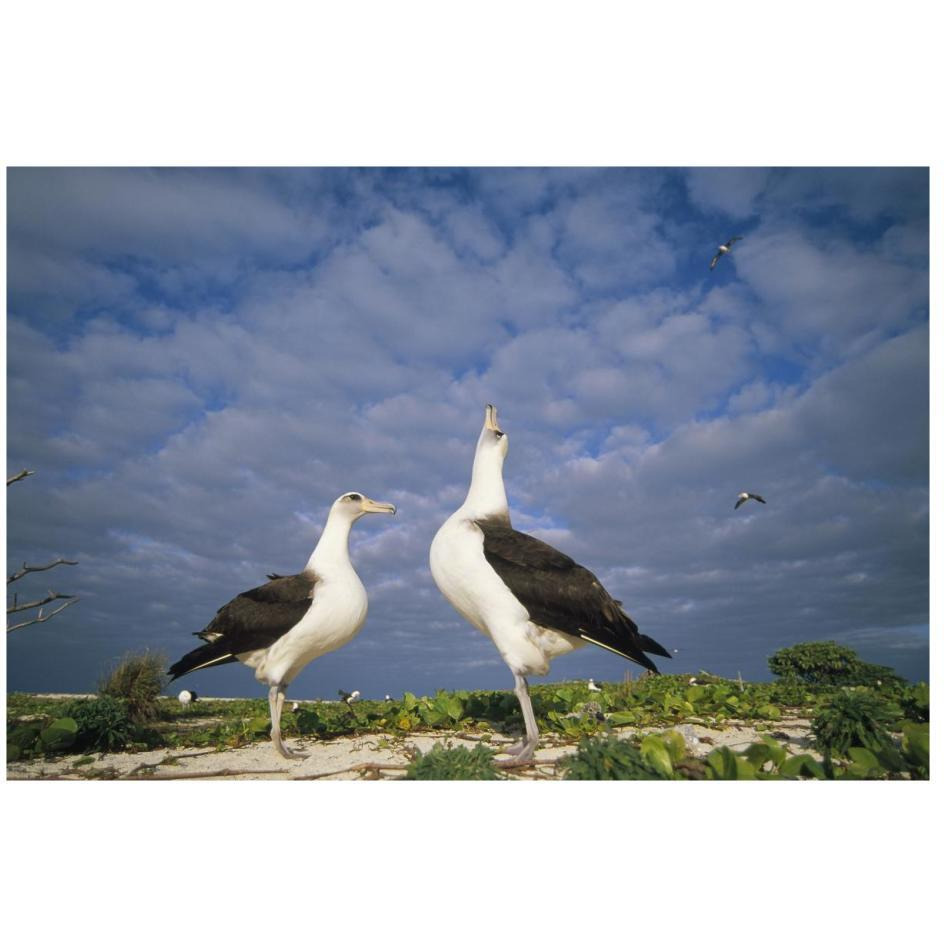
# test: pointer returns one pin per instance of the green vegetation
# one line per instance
(612, 759)
(456, 763)
(828, 663)
(863, 730)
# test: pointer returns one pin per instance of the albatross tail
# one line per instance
(210, 654)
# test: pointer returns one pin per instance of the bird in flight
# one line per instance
(724, 249)
(744, 496)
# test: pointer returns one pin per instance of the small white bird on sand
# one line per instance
(593, 686)
(278, 628)
(724, 249)
(185, 697)
(746, 496)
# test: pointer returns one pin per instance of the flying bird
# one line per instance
(534, 602)
(724, 249)
(745, 496)
(278, 628)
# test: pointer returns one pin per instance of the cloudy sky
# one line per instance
(200, 361)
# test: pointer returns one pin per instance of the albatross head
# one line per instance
(493, 443)
(354, 505)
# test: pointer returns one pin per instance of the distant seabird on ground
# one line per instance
(745, 496)
(185, 697)
(593, 687)
(533, 601)
(348, 697)
(278, 628)
(724, 249)
(387, 698)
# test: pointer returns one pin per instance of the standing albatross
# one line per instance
(278, 628)
(533, 601)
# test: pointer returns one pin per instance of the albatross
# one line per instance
(278, 628)
(724, 249)
(534, 602)
(746, 496)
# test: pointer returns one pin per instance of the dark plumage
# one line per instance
(560, 594)
(253, 620)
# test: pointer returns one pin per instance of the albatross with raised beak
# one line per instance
(534, 602)
(278, 628)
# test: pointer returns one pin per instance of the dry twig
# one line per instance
(19, 475)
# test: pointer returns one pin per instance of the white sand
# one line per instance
(332, 760)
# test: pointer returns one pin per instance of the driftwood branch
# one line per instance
(369, 768)
(41, 617)
(50, 596)
(34, 568)
(19, 475)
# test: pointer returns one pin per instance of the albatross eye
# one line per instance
(498, 434)
(352, 497)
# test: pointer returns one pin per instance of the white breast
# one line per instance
(335, 617)
(470, 584)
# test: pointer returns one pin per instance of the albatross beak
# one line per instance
(491, 418)
(385, 508)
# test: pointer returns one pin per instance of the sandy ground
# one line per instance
(364, 757)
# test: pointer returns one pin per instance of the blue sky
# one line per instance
(200, 361)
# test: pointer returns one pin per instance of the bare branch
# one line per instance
(18, 476)
(32, 569)
(41, 618)
(50, 596)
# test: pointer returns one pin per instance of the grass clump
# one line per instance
(457, 763)
(137, 679)
(610, 759)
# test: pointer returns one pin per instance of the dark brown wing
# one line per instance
(560, 594)
(253, 620)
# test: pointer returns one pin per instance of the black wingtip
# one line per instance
(648, 644)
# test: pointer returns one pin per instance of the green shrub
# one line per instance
(103, 724)
(610, 758)
(815, 663)
(137, 679)
(853, 719)
(458, 763)
(915, 702)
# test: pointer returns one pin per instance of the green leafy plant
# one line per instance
(138, 679)
(458, 763)
(60, 735)
(828, 663)
(609, 758)
(103, 724)
(815, 662)
(853, 719)
(915, 701)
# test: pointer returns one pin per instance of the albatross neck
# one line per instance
(331, 551)
(486, 495)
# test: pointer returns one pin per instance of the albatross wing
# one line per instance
(560, 594)
(253, 620)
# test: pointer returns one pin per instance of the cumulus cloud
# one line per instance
(199, 362)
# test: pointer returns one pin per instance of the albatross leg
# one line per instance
(276, 701)
(523, 752)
